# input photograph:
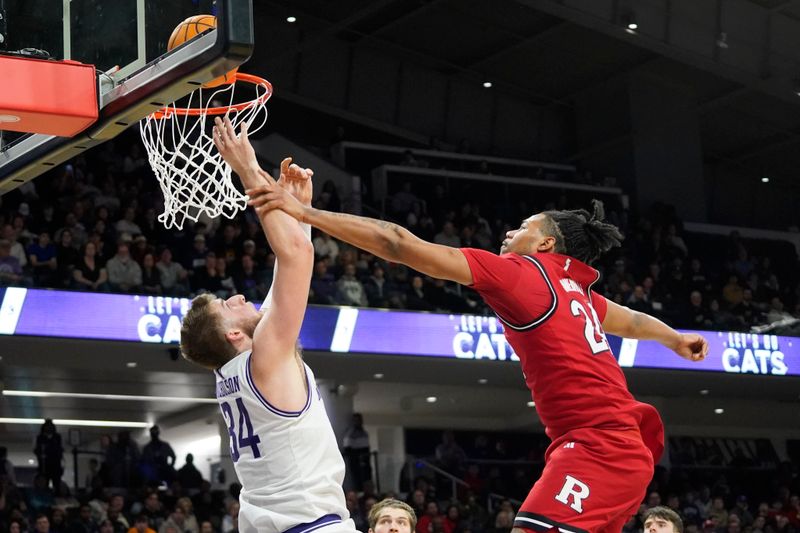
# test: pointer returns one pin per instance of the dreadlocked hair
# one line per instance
(580, 234)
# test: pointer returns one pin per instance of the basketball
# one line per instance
(191, 28)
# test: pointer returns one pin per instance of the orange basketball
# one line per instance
(191, 28)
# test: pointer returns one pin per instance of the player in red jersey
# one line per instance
(605, 443)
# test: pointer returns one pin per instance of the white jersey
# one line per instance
(288, 462)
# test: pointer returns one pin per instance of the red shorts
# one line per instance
(593, 481)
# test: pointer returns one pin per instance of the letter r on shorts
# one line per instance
(575, 488)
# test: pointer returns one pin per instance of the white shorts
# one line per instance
(254, 519)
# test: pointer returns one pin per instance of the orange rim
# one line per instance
(167, 112)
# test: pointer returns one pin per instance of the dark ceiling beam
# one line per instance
(702, 107)
(522, 41)
(620, 73)
(607, 26)
(333, 28)
(435, 62)
(421, 7)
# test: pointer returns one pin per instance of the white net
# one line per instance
(194, 178)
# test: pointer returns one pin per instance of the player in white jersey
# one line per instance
(281, 440)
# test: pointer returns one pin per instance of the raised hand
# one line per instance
(235, 150)
(692, 346)
(267, 197)
(297, 181)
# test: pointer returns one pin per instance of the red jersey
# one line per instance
(553, 320)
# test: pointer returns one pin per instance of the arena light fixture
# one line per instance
(77, 422)
(765, 180)
(531, 404)
(629, 21)
(378, 375)
(291, 20)
(131, 364)
(431, 399)
(719, 410)
(123, 397)
(483, 381)
(704, 392)
(487, 85)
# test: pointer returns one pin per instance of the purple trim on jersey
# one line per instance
(269, 406)
(217, 372)
(326, 520)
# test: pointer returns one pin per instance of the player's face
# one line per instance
(525, 239)
(658, 525)
(236, 312)
(392, 521)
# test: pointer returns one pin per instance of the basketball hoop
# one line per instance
(194, 178)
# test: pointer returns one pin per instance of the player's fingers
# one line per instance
(243, 129)
(285, 165)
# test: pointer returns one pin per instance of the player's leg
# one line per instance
(590, 479)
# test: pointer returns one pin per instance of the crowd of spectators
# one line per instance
(735, 496)
(92, 225)
(133, 491)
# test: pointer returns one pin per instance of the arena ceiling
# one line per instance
(550, 52)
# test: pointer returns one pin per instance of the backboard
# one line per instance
(126, 40)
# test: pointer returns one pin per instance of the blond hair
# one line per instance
(203, 340)
(375, 512)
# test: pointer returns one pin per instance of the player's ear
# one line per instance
(234, 335)
(547, 244)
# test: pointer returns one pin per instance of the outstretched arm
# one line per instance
(632, 324)
(383, 239)
(276, 335)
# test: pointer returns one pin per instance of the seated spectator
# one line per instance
(206, 278)
(350, 290)
(377, 287)
(325, 246)
(323, 287)
(153, 510)
(151, 276)
(78, 231)
(230, 522)
(696, 315)
(17, 248)
(140, 525)
(448, 236)
(227, 285)
(416, 296)
(172, 275)
(197, 258)
(248, 281)
(124, 274)
(206, 527)
(638, 300)
(139, 248)
(425, 522)
(126, 224)
(190, 521)
(10, 269)
(503, 522)
(42, 254)
(732, 292)
(90, 273)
